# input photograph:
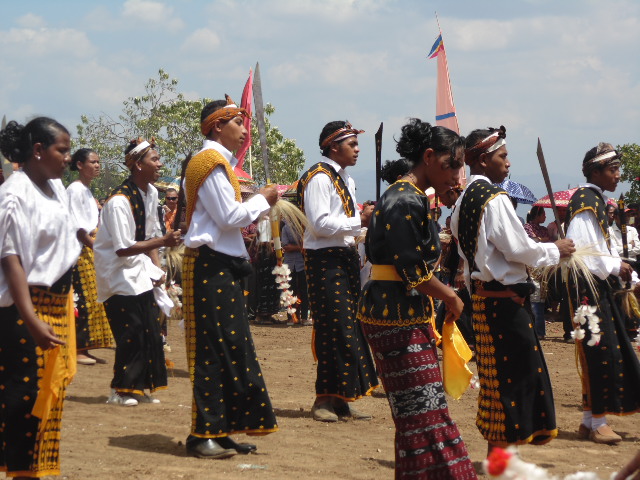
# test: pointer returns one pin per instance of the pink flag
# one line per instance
(445, 109)
(247, 95)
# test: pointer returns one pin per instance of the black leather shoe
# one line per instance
(243, 448)
(208, 448)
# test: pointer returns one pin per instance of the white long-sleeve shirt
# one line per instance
(584, 230)
(504, 249)
(329, 225)
(218, 217)
(633, 242)
(131, 275)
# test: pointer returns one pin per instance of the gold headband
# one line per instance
(141, 149)
(340, 134)
(228, 112)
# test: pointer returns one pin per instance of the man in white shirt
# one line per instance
(229, 391)
(615, 234)
(609, 367)
(327, 196)
(516, 402)
(127, 269)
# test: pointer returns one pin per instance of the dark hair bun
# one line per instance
(10, 141)
(414, 139)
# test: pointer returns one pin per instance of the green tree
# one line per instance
(164, 113)
(631, 170)
(285, 158)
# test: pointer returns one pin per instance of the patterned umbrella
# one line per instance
(562, 199)
(168, 182)
(517, 191)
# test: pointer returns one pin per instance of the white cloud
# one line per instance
(152, 13)
(202, 41)
(31, 20)
(350, 70)
(44, 42)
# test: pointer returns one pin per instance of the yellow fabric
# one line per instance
(455, 355)
(58, 370)
(385, 273)
(199, 168)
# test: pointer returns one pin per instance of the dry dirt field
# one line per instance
(101, 441)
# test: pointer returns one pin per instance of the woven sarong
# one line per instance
(515, 404)
(428, 443)
(92, 325)
(229, 391)
(28, 446)
(345, 366)
(610, 371)
(139, 362)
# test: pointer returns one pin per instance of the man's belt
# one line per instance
(386, 273)
(480, 288)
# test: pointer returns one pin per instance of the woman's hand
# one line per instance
(455, 306)
(42, 333)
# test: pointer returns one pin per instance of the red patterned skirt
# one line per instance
(428, 444)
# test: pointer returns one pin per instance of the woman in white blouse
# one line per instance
(92, 326)
(38, 247)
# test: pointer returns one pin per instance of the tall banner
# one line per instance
(247, 95)
(445, 108)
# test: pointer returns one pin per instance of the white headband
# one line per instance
(141, 146)
(497, 145)
(602, 157)
(342, 137)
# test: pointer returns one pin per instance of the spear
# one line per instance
(547, 182)
(378, 138)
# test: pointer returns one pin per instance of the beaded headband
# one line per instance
(228, 112)
(340, 134)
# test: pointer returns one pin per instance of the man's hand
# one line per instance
(365, 215)
(565, 246)
(626, 271)
(172, 238)
(270, 192)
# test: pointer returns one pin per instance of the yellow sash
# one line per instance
(199, 168)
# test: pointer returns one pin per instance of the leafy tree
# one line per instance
(631, 170)
(164, 113)
(285, 158)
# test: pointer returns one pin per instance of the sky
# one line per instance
(564, 71)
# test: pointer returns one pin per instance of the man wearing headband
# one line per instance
(610, 371)
(229, 392)
(327, 196)
(127, 269)
(516, 402)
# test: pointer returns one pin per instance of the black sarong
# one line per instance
(28, 446)
(610, 369)
(139, 362)
(266, 286)
(515, 404)
(229, 392)
(345, 366)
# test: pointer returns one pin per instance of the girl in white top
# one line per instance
(38, 247)
(92, 326)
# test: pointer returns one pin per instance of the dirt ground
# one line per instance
(101, 441)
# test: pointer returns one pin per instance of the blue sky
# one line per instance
(565, 71)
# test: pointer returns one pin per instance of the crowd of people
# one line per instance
(373, 315)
